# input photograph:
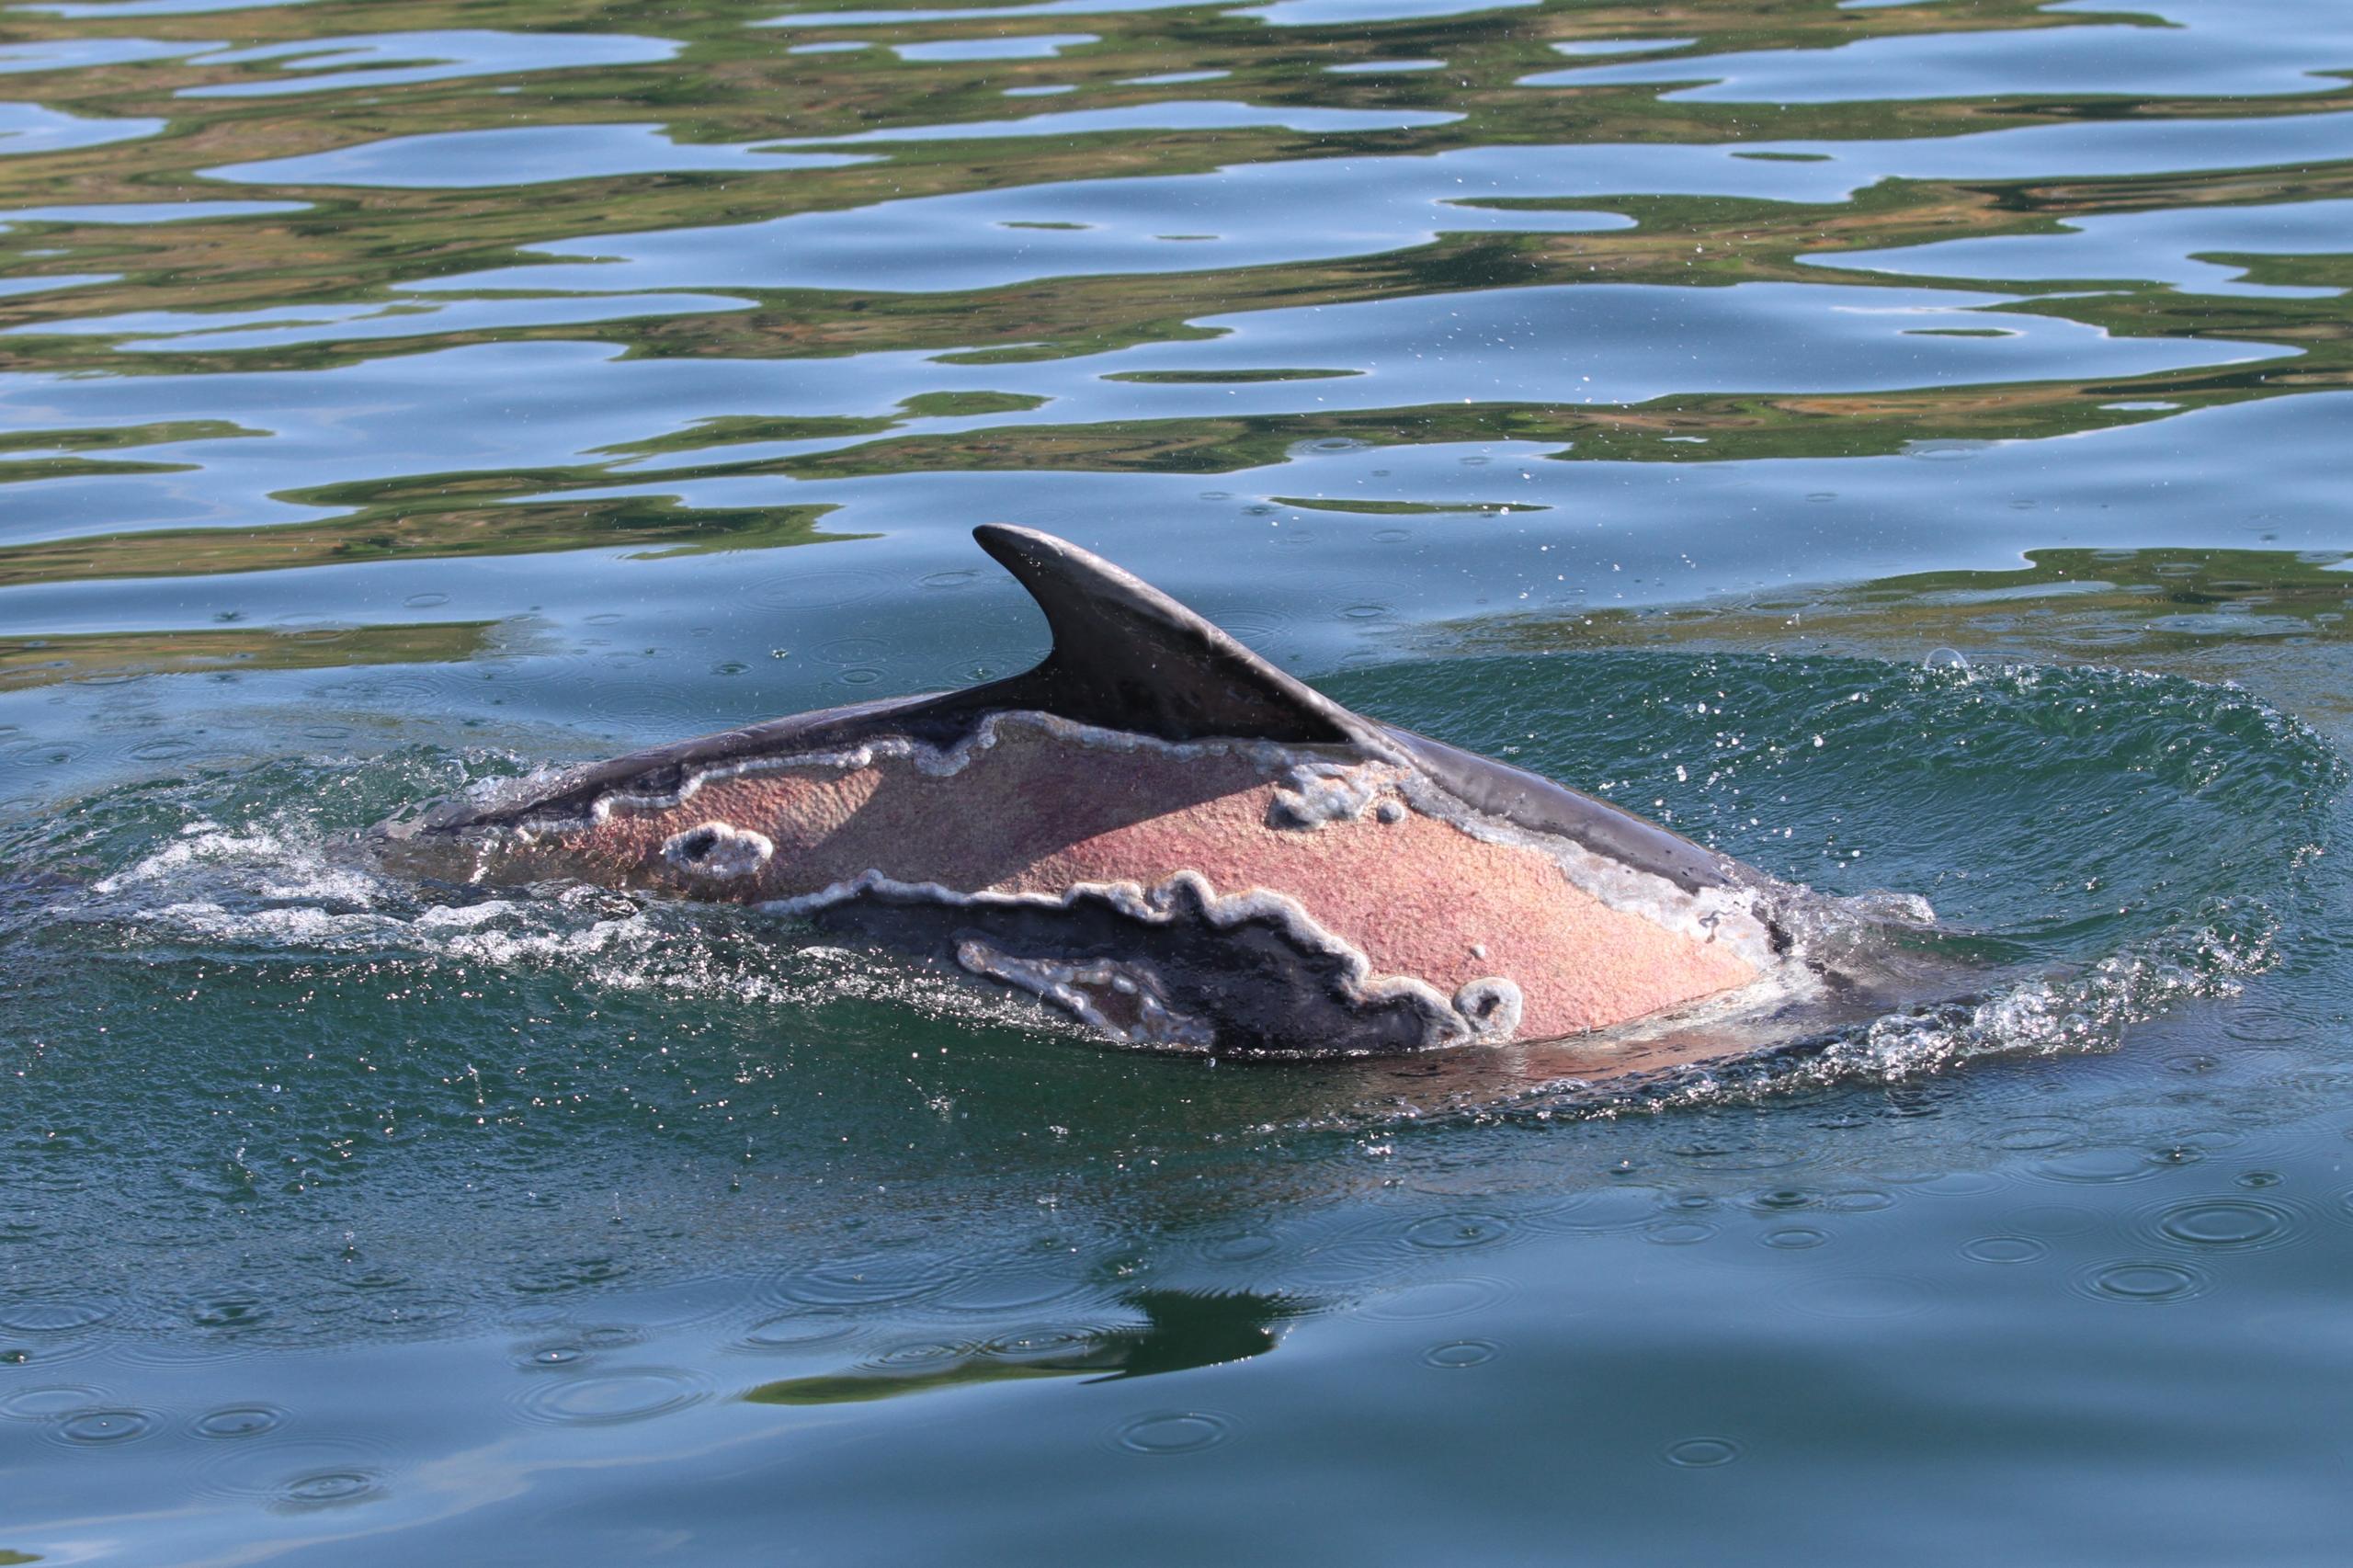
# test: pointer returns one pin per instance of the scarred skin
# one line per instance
(1164, 836)
(1039, 813)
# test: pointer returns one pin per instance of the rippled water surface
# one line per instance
(1907, 445)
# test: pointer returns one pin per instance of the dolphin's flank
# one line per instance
(1163, 835)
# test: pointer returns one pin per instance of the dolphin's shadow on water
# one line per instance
(1181, 1329)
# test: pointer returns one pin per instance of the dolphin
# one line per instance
(1163, 835)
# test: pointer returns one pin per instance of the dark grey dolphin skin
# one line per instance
(1167, 836)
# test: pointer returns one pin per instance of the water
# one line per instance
(1903, 445)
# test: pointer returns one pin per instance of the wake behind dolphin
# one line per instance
(1163, 835)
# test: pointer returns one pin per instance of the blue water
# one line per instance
(1903, 445)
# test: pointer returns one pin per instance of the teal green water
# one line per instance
(1905, 445)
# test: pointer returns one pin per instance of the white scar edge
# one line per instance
(1072, 986)
(934, 761)
(1313, 790)
(1486, 1011)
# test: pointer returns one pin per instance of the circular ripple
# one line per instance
(1737, 1156)
(230, 1311)
(2144, 1281)
(1613, 1209)
(2054, 1219)
(1004, 1292)
(1460, 1355)
(309, 1472)
(1246, 1247)
(1678, 1232)
(2004, 1249)
(238, 1421)
(870, 1282)
(57, 1314)
(1795, 1238)
(2099, 1167)
(49, 1401)
(2225, 1223)
(104, 1428)
(635, 1393)
(1439, 1299)
(2026, 1134)
(914, 1355)
(1044, 1341)
(1701, 1453)
(1860, 1296)
(793, 1331)
(328, 1488)
(552, 1355)
(1448, 1233)
(1174, 1432)
(852, 651)
(817, 590)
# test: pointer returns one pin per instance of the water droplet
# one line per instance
(94, 1427)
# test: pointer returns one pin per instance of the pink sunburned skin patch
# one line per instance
(1040, 807)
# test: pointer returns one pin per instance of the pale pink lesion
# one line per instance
(1038, 813)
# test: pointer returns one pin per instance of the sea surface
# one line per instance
(1907, 445)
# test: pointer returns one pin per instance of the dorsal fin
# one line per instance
(1127, 656)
